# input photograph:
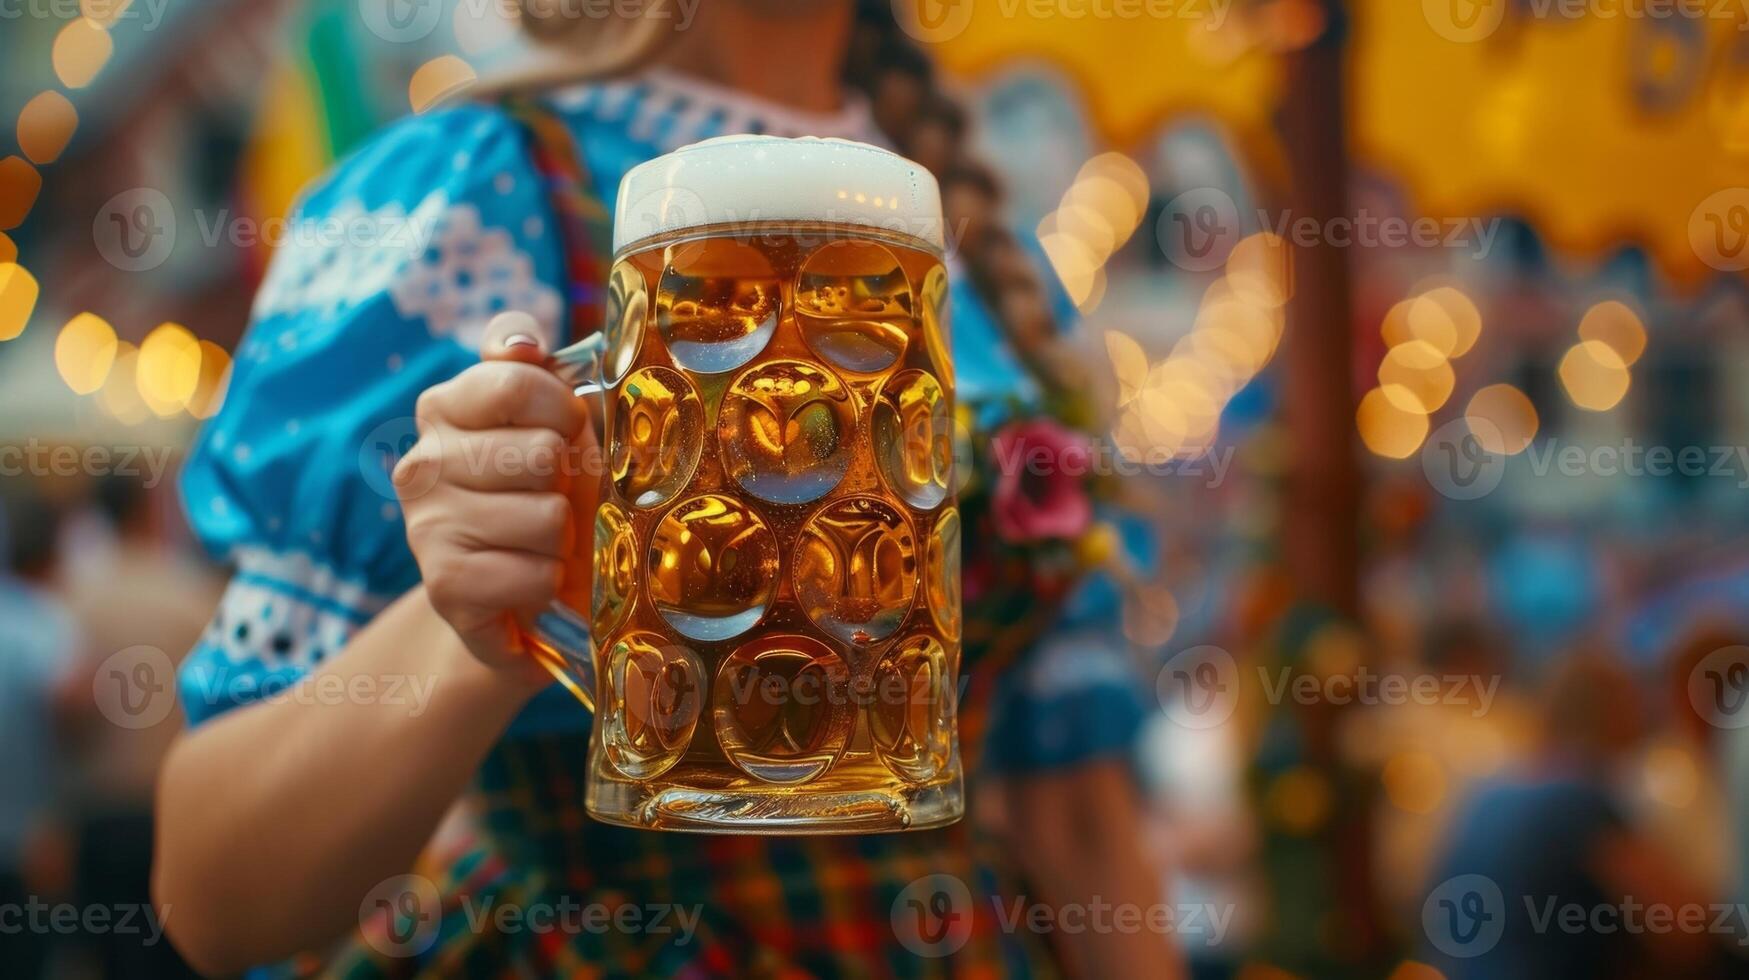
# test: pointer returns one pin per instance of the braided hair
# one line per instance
(926, 124)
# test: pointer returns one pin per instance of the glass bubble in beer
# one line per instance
(775, 607)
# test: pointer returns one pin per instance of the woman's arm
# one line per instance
(1078, 834)
(275, 821)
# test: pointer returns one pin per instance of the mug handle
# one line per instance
(559, 638)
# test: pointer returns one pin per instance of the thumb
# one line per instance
(514, 336)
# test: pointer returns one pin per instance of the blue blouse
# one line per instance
(391, 267)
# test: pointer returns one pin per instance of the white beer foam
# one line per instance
(741, 180)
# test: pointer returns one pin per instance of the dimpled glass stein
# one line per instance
(775, 606)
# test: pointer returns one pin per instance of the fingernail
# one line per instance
(520, 340)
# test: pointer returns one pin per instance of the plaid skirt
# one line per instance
(543, 890)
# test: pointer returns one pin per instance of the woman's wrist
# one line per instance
(479, 684)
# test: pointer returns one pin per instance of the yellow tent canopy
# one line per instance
(1602, 131)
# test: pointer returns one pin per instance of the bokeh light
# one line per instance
(120, 393)
(1259, 269)
(1125, 173)
(1510, 418)
(1420, 369)
(19, 186)
(1616, 325)
(45, 126)
(1096, 215)
(18, 293)
(80, 51)
(1129, 363)
(8, 248)
(168, 370)
(441, 76)
(85, 350)
(215, 375)
(1447, 311)
(1594, 375)
(1390, 422)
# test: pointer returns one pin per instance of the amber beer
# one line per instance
(776, 596)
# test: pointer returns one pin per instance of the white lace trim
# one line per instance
(438, 263)
(304, 573)
(698, 102)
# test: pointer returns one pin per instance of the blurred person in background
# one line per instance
(1679, 785)
(139, 594)
(1556, 835)
(38, 646)
(277, 817)
(1431, 755)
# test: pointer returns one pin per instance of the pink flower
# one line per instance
(1039, 492)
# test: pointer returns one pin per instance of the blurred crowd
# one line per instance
(98, 599)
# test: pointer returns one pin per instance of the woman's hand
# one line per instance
(492, 493)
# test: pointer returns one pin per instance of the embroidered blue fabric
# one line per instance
(392, 266)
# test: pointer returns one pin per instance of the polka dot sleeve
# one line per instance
(380, 287)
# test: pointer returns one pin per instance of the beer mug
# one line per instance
(772, 640)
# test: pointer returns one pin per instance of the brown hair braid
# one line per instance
(927, 125)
